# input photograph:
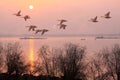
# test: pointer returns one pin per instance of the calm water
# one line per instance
(32, 45)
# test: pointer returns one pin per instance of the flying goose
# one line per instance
(18, 13)
(38, 30)
(94, 19)
(44, 31)
(107, 15)
(31, 27)
(26, 17)
(62, 26)
(62, 20)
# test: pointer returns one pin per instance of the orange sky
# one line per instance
(46, 12)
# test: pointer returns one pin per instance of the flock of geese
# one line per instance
(34, 27)
(107, 16)
(61, 25)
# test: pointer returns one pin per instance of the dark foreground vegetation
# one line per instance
(68, 63)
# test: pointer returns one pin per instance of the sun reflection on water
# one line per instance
(31, 55)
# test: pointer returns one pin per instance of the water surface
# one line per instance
(31, 46)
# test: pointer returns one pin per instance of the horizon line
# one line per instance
(53, 35)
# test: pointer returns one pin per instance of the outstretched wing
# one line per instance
(25, 18)
(19, 11)
(61, 26)
(42, 32)
(29, 28)
(95, 18)
(107, 14)
(62, 20)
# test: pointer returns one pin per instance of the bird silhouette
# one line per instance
(62, 21)
(94, 19)
(107, 15)
(44, 31)
(26, 17)
(37, 31)
(18, 13)
(62, 26)
(31, 27)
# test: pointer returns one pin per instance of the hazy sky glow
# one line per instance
(46, 12)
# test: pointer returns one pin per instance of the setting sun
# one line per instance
(31, 7)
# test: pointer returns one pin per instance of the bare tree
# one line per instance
(44, 54)
(112, 61)
(71, 62)
(96, 69)
(14, 59)
(116, 56)
(55, 62)
(1, 57)
(38, 68)
(48, 60)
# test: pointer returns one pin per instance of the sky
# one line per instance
(46, 13)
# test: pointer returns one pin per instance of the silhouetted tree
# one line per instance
(44, 55)
(14, 59)
(116, 56)
(112, 61)
(48, 58)
(54, 68)
(1, 57)
(38, 69)
(71, 62)
(95, 68)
